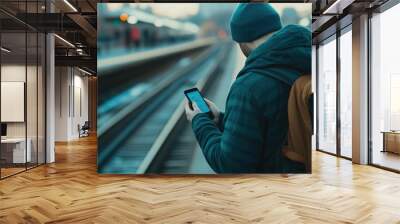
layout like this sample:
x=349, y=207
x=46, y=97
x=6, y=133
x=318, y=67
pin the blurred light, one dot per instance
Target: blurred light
x=124, y=17
x=5, y=50
x=191, y=27
x=158, y=23
x=114, y=6
x=132, y=20
x=301, y=9
x=145, y=17
x=139, y=89
x=143, y=6
x=65, y=41
x=175, y=10
x=184, y=62
x=222, y=34
x=304, y=22
x=174, y=24
x=70, y=5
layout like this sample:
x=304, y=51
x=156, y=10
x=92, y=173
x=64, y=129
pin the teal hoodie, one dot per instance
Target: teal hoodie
x=252, y=131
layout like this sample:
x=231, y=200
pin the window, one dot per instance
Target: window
x=385, y=89
x=327, y=96
x=346, y=93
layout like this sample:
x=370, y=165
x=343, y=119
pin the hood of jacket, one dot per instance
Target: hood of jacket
x=285, y=56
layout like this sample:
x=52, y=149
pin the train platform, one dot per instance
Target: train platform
x=122, y=58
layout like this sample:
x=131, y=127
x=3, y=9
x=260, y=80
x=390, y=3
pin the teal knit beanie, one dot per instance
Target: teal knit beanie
x=251, y=21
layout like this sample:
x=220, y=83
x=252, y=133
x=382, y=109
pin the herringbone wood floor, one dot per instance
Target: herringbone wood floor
x=70, y=191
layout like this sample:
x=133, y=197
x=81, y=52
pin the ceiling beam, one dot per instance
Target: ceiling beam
x=81, y=61
x=89, y=30
x=337, y=7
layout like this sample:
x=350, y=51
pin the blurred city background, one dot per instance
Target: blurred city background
x=148, y=53
x=140, y=26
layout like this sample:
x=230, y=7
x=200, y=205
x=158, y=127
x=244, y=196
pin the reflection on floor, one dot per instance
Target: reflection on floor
x=71, y=191
x=14, y=169
x=10, y=171
x=387, y=159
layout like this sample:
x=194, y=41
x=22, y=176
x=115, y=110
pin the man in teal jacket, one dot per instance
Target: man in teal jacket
x=249, y=136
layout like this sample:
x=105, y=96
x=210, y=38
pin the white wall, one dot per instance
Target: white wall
x=71, y=94
x=13, y=100
x=80, y=105
x=14, y=72
x=33, y=126
x=17, y=72
x=62, y=81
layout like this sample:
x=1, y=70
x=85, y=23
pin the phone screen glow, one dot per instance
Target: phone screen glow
x=196, y=98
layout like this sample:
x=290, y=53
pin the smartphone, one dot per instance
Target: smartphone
x=194, y=96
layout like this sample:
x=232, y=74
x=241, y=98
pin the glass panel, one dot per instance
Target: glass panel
x=327, y=96
x=13, y=87
x=32, y=87
x=385, y=84
x=23, y=85
x=346, y=94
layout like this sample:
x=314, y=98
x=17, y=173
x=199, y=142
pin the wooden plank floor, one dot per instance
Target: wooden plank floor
x=70, y=191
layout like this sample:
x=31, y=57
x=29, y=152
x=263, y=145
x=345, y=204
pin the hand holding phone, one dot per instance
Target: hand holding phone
x=194, y=96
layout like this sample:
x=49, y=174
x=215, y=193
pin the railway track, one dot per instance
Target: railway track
x=120, y=73
x=144, y=80
x=127, y=143
x=180, y=154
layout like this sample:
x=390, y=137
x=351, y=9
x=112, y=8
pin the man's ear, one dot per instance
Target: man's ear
x=245, y=49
